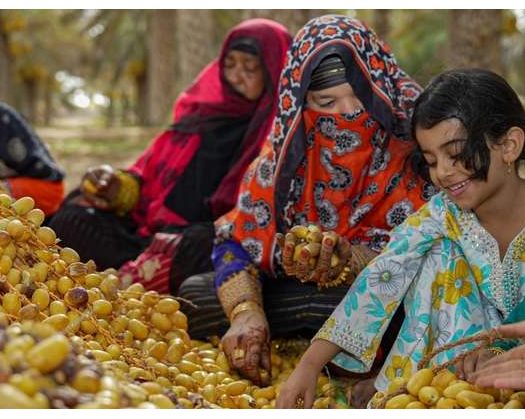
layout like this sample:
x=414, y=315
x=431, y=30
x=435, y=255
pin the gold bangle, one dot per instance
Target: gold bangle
x=239, y=287
x=245, y=306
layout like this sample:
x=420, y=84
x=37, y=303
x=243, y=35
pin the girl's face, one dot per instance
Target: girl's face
x=244, y=72
x=336, y=99
x=441, y=145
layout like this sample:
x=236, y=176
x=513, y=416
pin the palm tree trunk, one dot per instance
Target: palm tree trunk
x=142, y=95
x=31, y=90
x=381, y=23
x=48, y=101
x=195, y=34
x=161, y=65
x=475, y=39
x=6, y=71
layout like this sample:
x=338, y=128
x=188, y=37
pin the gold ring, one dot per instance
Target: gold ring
x=299, y=402
x=238, y=354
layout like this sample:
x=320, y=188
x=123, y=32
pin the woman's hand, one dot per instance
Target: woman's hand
x=466, y=368
x=247, y=346
x=299, y=389
x=506, y=370
x=100, y=186
x=312, y=255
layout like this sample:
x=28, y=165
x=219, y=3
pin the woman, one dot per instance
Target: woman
x=457, y=265
x=26, y=167
x=335, y=158
x=190, y=175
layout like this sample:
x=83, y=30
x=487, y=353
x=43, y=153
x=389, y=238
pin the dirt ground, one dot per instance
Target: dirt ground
x=76, y=147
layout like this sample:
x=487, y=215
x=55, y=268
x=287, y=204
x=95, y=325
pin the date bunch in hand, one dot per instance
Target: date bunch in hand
x=310, y=254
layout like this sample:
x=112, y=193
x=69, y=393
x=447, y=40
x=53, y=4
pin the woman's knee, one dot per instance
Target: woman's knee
x=197, y=285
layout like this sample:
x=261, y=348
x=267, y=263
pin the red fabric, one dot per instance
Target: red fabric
x=152, y=267
x=208, y=97
x=48, y=195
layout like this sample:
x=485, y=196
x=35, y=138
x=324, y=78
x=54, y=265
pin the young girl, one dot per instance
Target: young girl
x=457, y=265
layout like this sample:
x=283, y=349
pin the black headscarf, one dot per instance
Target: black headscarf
x=22, y=152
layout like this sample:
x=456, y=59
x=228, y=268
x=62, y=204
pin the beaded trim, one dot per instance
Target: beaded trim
x=504, y=275
x=343, y=335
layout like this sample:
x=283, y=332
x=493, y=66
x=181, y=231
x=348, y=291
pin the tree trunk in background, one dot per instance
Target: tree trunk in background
x=195, y=35
x=31, y=90
x=475, y=39
x=292, y=19
x=48, y=101
x=161, y=65
x=381, y=23
x=6, y=77
x=142, y=94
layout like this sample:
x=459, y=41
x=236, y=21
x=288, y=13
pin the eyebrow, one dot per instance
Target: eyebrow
x=443, y=146
x=320, y=96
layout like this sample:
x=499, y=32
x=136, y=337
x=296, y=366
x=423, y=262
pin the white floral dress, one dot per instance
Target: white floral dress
x=445, y=269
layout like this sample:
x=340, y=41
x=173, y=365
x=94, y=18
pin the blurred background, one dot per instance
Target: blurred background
x=98, y=84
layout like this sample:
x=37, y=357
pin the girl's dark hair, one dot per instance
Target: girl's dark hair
x=482, y=101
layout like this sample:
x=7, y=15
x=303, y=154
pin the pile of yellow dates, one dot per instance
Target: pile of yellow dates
x=71, y=337
x=426, y=390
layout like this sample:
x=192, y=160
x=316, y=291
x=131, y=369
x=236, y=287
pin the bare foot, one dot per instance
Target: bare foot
x=361, y=392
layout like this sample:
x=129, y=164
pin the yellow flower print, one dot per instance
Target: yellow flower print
x=371, y=352
x=438, y=289
x=326, y=330
x=457, y=284
x=453, y=230
x=416, y=219
x=401, y=366
x=390, y=307
x=228, y=257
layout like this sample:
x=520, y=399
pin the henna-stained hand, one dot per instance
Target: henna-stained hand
x=310, y=255
x=250, y=333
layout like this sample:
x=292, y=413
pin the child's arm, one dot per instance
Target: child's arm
x=302, y=382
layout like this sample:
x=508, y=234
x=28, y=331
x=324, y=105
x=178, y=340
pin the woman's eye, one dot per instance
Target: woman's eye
x=327, y=104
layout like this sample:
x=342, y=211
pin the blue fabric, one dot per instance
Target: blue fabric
x=516, y=315
x=229, y=258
